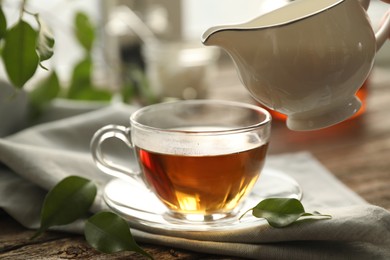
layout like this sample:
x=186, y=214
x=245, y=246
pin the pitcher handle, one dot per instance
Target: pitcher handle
x=383, y=33
x=365, y=3
x=122, y=133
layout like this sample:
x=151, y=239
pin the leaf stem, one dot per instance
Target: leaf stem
x=243, y=214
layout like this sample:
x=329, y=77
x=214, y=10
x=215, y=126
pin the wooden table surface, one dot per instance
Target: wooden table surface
x=357, y=152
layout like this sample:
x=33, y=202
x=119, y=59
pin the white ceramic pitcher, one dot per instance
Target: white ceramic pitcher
x=306, y=59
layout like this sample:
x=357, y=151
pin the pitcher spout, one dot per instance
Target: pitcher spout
x=212, y=37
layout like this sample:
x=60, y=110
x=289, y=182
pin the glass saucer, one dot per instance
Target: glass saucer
x=143, y=210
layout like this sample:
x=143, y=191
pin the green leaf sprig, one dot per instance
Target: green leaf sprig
x=81, y=85
x=282, y=212
x=27, y=43
x=71, y=200
x=109, y=233
x=24, y=48
x=46, y=41
x=19, y=53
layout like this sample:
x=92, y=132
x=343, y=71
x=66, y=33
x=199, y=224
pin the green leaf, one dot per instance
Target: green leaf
x=45, y=42
x=69, y=200
x=46, y=90
x=85, y=31
x=81, y=87
x=281, y=212
x=142, y=82
x=127, y=92
x=19, y=54
x=3, y=24
x=109, y=233
x=43, y=92
x=81, y=78
x=93, y=94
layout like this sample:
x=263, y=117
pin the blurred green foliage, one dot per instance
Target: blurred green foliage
x=29, y=42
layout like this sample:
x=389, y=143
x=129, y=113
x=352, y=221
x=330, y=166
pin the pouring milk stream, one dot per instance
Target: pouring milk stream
x=306, y=59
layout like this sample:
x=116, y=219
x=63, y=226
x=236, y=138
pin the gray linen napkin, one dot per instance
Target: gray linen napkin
x=35, y=159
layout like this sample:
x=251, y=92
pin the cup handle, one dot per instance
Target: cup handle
x=122, y=133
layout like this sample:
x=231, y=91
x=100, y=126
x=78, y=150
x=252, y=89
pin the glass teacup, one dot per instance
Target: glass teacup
x=201, y=158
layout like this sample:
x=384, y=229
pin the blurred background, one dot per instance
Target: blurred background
x=144, y=51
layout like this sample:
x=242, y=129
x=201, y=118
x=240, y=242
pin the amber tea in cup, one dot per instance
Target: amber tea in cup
x=202, y=184
x=199, y=157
